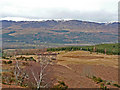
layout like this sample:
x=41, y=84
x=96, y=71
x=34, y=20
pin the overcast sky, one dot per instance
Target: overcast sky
x=88, y=10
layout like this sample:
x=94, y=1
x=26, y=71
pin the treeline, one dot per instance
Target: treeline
x=110, y=49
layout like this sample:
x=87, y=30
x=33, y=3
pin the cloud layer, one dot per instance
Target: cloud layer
x=91, y=10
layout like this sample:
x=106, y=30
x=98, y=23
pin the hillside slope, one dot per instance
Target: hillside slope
x=58, y=32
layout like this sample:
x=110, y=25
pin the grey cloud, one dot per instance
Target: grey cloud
x=61, y=13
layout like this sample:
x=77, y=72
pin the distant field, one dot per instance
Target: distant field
x=85, y=57
x=101, y=48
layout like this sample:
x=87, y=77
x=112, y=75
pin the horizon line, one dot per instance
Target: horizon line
x=40, y=20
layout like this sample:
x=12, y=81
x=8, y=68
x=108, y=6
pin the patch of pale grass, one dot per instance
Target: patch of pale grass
x=84, y=57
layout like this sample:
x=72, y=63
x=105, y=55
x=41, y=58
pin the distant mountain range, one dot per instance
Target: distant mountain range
x=52, y=33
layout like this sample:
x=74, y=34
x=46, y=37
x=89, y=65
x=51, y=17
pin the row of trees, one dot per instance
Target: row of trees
x=103, y=48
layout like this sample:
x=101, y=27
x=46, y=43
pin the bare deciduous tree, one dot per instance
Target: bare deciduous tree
x=40, y=80
x=16, y=71
x=37, y=73
x=43, y=61
x=20, y=75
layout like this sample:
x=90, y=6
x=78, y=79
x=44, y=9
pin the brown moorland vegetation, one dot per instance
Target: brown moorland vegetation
x=77, y=69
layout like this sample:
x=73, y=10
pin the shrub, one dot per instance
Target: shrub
x=25, y=64
x=10, y=56
x=4, y=62
x=108, y=83
x=3, y=57
x=34, y=60
x=116, y=85
x=90, y=52
x=9, y=62
x=99, y=80
x=61, y=82
x=53, y=58
x=103, y=87
x=61, y=85
x=11, y=80
x=94, y=78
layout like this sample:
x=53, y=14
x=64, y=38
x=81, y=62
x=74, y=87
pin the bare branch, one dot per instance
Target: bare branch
x=34, y=76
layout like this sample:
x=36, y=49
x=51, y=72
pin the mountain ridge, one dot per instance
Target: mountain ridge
x=62, y=32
